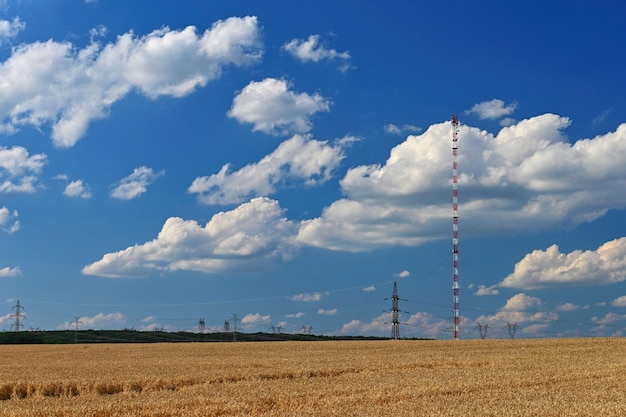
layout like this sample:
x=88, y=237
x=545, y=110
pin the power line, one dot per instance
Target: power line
x=207, y=303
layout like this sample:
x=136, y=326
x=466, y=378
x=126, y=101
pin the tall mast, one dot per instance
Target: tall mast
x=455, y=228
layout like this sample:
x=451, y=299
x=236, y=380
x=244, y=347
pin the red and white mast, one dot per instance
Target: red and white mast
x=455, y=227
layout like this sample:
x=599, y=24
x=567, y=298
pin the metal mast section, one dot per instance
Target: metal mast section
x=455, y=227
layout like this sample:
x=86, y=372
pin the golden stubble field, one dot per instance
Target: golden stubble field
x=547, y=377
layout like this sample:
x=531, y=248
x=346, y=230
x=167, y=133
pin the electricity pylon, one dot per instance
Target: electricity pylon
x=395, y=313
x=18, y=316
x=512, y=328
x=483, y=329
x=201, y=326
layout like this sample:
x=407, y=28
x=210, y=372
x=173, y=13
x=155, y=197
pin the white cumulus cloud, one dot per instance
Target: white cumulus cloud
x=400, y=130
x=521, y=302
x=10, y=272
x=19, y=169
x=492, y=109
x=528, y=177
x=312, y=49
x=609, y=318
x=507, y=121
x=10, y=28
x=98, y=31
x=256, y=318
x=309, y=297
x=7, y=318
x=420, y=324
x=16, y=161
x=254, y=231
x=568, y=307
x=9, y=220
x=60, y=84
x=299, y=158
x=329, y=312
x=550, y=268
x=135, y=184
x=619, y=301
x=274, y=109
x=100, y=320
x=484, y=290
x=527, y=312
x=77, y=189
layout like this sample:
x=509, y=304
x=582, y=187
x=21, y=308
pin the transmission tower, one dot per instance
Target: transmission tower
x=455, y=228
x=77, y=323
x=276, y=329
x=512, y=328
x=226, y=326
x=234, y=327
x=395, y=313
x=306, y=329
x=18, y=315
x=483, y=329
x=201, y=326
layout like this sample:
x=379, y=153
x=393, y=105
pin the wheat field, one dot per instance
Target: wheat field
x=538, y=377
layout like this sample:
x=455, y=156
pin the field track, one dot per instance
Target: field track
x=538, y=377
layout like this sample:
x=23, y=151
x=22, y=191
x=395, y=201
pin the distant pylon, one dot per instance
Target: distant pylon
x=512, y=328
x=201, y=325
x=18, y=316
x=77, y=323
x=234, y=327
x=276, y=329
x=306, y=329
x=483, y=329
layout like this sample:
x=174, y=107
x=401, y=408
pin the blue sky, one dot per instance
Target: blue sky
x=287, y=163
